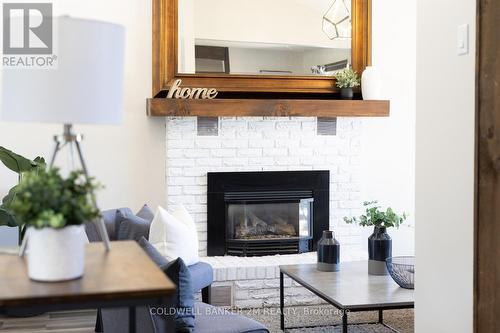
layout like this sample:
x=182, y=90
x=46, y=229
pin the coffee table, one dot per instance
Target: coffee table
x=351, y=289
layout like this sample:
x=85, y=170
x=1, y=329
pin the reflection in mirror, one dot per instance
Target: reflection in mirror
x=260, y=37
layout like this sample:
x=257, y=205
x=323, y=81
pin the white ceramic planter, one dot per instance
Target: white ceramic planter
x=370, y=84
x=56, y=254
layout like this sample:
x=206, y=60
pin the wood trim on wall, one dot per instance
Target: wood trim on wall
x=487, y=208
x=165, y=58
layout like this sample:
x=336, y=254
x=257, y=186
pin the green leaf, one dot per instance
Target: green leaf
x=7, y=219
x=20, y=165
x=347, y=78
x=40, y=161
x=9, y=198
x=16, y=162
x=376, y=217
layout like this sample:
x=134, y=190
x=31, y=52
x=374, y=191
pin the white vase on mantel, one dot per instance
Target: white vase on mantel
x=371, y=86
x=56, y=254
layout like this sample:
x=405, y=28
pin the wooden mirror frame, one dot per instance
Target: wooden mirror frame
x=165, y=59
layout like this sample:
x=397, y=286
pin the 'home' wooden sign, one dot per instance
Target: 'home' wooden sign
x=176, y=91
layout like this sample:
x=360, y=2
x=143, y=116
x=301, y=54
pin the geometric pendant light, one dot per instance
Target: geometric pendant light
x=337, y=20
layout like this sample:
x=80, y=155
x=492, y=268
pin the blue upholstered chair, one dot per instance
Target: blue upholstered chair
x=201, y=273
x=208, y=320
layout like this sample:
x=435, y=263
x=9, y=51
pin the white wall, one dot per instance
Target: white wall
x=128, y=159
x=444, y=168
x=388, y=144
x=186, y=38
x=263, y=21
x=251, y=61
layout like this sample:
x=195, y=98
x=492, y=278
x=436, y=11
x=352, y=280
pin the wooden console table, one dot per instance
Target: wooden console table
x=122, y=277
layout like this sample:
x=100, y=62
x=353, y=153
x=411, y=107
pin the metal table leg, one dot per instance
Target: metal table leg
x=381, y=316
x=98, y=322
x=131, y=319
x=344, y=321
x=282, y=303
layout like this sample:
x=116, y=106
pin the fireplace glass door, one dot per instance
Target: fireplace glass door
x=266, y=212
x=258, y=221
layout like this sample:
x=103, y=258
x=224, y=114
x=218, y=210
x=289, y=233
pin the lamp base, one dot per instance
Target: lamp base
x=72, y=139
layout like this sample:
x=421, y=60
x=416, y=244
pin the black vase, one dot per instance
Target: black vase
x=379, y=249
x=328, y=253
x=346, y=93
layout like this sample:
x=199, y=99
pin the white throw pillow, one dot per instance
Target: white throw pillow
x=183, y=215
x=175, y=235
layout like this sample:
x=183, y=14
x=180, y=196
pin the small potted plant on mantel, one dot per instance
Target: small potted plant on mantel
x=346, y=79
x=379, y=243
x=54, y=209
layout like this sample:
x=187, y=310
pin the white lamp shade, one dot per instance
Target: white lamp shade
x=86, y=86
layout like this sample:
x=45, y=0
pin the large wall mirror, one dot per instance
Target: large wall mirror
x=249, y=46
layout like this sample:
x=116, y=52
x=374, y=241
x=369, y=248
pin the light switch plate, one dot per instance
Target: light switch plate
x=463, y=39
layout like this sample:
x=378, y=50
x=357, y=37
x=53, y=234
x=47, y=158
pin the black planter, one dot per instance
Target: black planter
x=346, y=93
x=328, y=253
x=379, y=249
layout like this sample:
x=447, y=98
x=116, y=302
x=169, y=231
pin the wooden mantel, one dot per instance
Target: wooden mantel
x=164, y=107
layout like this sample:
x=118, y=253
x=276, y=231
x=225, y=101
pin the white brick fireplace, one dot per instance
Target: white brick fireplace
x=264, y=144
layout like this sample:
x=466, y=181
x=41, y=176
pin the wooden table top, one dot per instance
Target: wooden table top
x=124, y=273
x=351, y=287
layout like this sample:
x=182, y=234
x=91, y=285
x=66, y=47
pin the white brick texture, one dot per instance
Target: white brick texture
x=265, y=144
x=254, y=281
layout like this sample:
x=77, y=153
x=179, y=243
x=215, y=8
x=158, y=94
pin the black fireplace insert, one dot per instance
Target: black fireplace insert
x=265, y=213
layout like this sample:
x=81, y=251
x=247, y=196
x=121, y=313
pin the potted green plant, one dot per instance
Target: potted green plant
x=346, y=79
x=379, y=243
x=54, y=210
